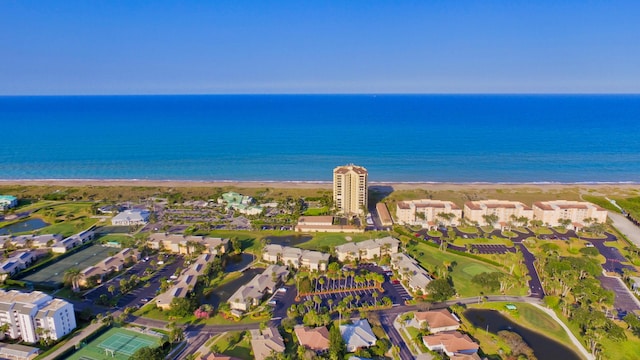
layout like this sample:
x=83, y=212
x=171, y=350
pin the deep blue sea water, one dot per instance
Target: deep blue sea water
x=403, y=138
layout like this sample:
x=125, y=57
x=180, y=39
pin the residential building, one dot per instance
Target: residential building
x=111, y=264
x=383, y=214
x=25, y=313
x=451, y=343
x=240, y=203
x=35, y=241
x=187, y=244
x=437, y=321
x=473, y=356
x=295, y=257
x=16, y=263
x=368, y=249
x=409, y=270
x=73, y=241
x=350, y=189
x=252, y=293
x=428, y=213
x=185, y=282
x=7, y=202
x=323, y=223
x=18, y=352
x=131, y=217
x=505, y=211
x=316, y=339
x=554, y=213
x=266, y=343
x=358, y=335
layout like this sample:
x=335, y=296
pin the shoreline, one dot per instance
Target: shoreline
x=303, y=184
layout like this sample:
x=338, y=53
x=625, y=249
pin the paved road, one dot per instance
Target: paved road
x=626, y=227
x=75, y=340
x=535, y=285
x=386, y=320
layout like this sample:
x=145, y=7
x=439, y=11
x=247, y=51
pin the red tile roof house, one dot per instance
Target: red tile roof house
x=316, y=339
x=451, y=343
x=437, y=320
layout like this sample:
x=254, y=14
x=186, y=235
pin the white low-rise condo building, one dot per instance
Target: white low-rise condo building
x=8, y=202
x=506, y=212
x=25, y=313
x=428, y=213
x=187, y=244
x=552, y=213
x=367, y=250
x=185, y=282
x=408, y=269
x=294, y=257
x=131, y=217
x=252, y=293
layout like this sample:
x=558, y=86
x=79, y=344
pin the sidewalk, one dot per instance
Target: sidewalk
x=75, y=340
x=587, y=355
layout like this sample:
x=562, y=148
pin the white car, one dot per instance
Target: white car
x=282, y=290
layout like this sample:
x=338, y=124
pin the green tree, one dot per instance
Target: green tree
x=440, y=289
x=337, y=348
x=147, y=353
x=73, y=276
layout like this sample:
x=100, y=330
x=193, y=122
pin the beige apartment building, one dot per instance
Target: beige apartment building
x=551, y=213
x=428, y=213
x=505, y=210
x=350, y=189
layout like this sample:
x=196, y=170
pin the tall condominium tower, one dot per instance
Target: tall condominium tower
x=350, y=189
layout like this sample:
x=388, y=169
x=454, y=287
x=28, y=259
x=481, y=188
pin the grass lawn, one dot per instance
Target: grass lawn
x=496, y=241
x=149, y=311
x=434, y=233
x=241, y=350
x=463, y=270
x=316, y=211
x=321, y=240
x=413, y=333
x=625, y=350
x=69, y=227
x=468, y=229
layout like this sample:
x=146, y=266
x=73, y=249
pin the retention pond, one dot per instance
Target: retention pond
x=23, y=226
x=543, y=347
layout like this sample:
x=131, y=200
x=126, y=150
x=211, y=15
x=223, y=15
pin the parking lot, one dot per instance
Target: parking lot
x=490, y=248
x=361, y=292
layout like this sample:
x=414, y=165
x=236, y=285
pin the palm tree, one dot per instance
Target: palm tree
x=74, y=276
x=375, y=297
x=111, y=289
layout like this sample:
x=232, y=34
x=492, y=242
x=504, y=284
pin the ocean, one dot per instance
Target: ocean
x=398, y=138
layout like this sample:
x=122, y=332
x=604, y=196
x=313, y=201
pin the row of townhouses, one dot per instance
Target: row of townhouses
x=431, y=213
x=368, y=249
x=185, y=282
x=252, y=293
x=187, y=244
x=25, y=313
x=111, y=264
x=295, y=257
x=408, y=269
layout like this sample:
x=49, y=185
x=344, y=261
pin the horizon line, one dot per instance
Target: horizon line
x=338, y=94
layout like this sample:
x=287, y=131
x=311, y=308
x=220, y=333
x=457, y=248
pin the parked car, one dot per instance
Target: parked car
x=282, y=290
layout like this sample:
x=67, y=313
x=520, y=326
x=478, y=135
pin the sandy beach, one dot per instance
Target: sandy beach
x=597, y=187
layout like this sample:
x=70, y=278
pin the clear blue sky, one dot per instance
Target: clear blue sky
x=345, y=46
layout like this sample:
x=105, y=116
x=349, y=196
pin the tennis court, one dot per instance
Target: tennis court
x=115, y=344
x=54, y=273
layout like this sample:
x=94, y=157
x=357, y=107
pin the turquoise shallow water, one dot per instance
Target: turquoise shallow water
x=442, y=138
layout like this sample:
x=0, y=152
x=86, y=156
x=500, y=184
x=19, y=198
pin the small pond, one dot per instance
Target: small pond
x=238, y=262
x=543, y=347
x=23, y=226
x=288, y=240
x=224, y=292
